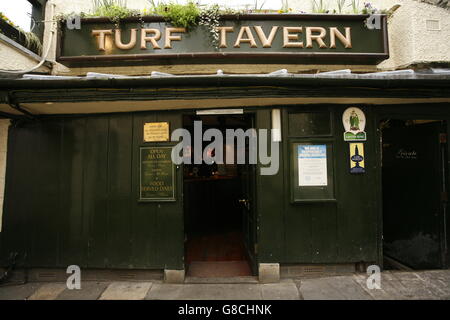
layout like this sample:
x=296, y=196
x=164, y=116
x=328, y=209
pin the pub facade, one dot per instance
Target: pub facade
x=285, y=144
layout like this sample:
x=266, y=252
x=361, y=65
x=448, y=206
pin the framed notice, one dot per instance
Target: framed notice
x=157, y=174
x=312, y=172
x=312, y=165
x=156, y=132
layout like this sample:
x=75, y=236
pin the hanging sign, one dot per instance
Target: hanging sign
x=312, y=165
x=157, y=174
x=354, y=121
x=156, y=131
x=357, y=158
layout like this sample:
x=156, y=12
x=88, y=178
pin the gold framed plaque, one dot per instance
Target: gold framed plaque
x=156, y=132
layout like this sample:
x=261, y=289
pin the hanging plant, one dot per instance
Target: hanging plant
x=179, y=15
x=209, y=18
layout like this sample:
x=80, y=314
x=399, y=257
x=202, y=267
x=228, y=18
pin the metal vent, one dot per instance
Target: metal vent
x=313, y=269
x=127, y=276
x=46, y=276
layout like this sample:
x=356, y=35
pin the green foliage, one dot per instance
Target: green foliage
x=112, y=9
x=209, y=17
x=179, y=15
x=32, y=42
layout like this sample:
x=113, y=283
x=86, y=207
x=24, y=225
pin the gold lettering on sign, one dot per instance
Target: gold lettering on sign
x=250, y=39
x=120, y=44
x=170, y=37
x=346, y=41
x=153, y=40
x=156, y=131
x=223, y=35
x=310, y=37
x=101, y=34
x=266, y=42
x=292, y=37
x=288, y=36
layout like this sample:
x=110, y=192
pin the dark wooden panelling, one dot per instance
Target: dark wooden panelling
x=74, y=221
x=19, y=193
x=72, y=198
x=95, y=189
x=119, y=190
x=357, y=212
x=144, y=223
x=270, y=211
x=45, y=206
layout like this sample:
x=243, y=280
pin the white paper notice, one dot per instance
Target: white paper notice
x=312, y=165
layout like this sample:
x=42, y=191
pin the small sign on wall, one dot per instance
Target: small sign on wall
x=357, y=158
x=156, y=132
x=354, y=121
x=312, y=165
x=157, y=174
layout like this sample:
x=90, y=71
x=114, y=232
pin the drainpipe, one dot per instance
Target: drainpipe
x=17, y=107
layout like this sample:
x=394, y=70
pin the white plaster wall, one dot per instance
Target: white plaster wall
x=12, y=58
x=4, y=125
x=409, y=40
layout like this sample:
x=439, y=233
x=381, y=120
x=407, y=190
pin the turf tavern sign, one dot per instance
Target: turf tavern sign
x=252, y=38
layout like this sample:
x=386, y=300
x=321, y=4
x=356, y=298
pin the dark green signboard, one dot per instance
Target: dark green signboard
x=157, y=174
x=270, y=38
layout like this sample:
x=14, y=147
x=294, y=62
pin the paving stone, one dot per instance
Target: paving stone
x=388, y=290
x=48, y=291
x=349, y=288
x=18, y=292
x=269, y=272
x=220, y=292
x=90, y=290
x=438, y=281
x=165, y=291
x=286, y=290
x=414, y=287
x=319, y=289
x=126, y=291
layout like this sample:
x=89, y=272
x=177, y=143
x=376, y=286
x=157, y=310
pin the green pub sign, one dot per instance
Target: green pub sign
x=157, y=174
x=250, y=38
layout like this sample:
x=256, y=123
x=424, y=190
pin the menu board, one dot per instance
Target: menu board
x=157, y=174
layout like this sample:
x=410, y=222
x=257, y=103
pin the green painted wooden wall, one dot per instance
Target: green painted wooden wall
x=71, y=198
x=344, y=231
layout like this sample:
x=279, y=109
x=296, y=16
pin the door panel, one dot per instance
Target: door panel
x=248, y=205
x=413, y=187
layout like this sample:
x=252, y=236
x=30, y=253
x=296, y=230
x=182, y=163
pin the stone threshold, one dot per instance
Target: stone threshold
x=216, y=280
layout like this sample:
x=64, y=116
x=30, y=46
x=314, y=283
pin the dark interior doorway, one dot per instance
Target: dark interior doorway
x=216, y=225
x=414, y=169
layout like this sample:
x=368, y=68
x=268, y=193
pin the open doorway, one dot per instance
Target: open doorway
x=216, y=202
x=414, y=190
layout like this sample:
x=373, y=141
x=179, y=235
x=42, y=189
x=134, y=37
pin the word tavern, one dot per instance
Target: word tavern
x=292, y=37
